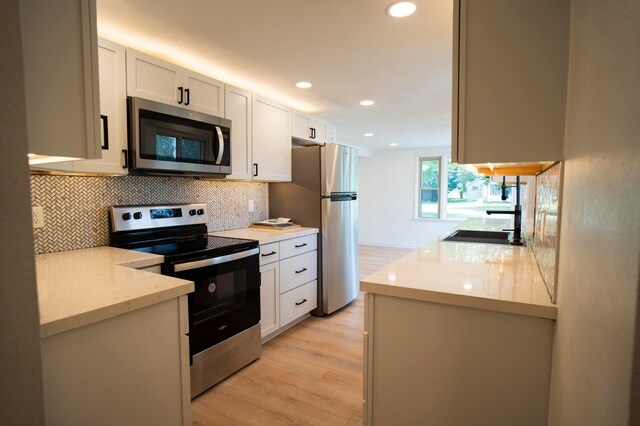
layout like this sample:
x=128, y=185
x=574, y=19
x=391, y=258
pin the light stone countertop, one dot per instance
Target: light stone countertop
x=475, y=275
x=81, y=287
x=266, y=236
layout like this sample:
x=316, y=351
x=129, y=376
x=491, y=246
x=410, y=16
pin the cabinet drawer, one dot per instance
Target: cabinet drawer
x=269, y=253
x=298, y=270
x=298, y=302
x=298, y=245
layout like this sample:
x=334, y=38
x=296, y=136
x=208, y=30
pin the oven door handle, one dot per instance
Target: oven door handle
x=179, y=267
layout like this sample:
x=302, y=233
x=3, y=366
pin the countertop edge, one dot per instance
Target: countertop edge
x=82, y=319
x=454, y=299
x=273, y=236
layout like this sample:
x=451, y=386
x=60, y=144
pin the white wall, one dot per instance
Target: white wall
x=593, y=354
x=21, y=401
x=388, y=199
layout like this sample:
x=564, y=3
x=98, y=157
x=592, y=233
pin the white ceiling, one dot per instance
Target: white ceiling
x=349, y=49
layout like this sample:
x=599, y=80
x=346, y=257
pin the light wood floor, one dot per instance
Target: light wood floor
x=309, y=375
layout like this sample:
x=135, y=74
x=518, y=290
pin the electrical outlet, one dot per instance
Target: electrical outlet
x=251, y=207
x=38, y=217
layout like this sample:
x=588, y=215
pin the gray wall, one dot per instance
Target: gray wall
x=21, y=401
x=593, y=354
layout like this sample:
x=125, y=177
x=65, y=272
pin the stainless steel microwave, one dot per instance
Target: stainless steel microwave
x=167, y=140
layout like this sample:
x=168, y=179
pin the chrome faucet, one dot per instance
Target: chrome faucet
x=516, y=212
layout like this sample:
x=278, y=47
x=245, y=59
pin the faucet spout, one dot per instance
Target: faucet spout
x=517, y=213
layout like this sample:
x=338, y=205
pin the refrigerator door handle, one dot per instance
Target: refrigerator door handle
x=340, y=197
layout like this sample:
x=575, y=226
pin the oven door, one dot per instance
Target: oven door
x=226, y=299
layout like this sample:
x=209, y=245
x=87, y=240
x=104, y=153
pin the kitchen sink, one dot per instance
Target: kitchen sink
x=470, y=236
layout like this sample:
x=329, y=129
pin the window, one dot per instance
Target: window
x=429, y=187
x=468, y=194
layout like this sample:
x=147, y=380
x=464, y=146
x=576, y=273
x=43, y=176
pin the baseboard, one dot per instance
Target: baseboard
x=279, y=331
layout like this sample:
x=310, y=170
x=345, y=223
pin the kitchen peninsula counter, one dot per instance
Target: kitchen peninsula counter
x=458, y=333
x=495, y=277
x=81, y=287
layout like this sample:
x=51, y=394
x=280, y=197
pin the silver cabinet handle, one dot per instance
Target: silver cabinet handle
x=215, y=260
x=221, y=139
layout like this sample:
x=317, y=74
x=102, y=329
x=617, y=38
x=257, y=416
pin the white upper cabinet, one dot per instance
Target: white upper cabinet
x=152, y=78
x=113, y=117
x=113, y=113
x=203, y=94
x=271, y=132
x=306, y=128
x=510, y=64
x=161, y=81
x=61, y=87
x=238, y=110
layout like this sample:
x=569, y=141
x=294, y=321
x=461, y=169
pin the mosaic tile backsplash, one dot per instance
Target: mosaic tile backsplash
x=76, y=208
x=547, y=224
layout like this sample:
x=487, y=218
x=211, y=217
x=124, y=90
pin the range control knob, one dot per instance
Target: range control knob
x=137, y=215
x=126, y=216
x=192, y=212
x=200, y=212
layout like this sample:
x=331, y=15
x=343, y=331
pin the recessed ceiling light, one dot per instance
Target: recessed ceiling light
x=368, y=134
x=401, y=9
x=303, y=84
x=367, y=103
x=393, y=144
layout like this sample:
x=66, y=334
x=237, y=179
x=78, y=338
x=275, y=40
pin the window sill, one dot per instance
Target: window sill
x=437, y=219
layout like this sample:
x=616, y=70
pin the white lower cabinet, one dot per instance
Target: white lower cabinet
x=131, y=369
x=269, y=298
x=433, y=363
x=288, y=291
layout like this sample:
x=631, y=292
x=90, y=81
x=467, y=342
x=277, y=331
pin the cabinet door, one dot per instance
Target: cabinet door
x=319, y=131
x=269, y=298
x=238, y=110
x=60, y=54
x=510, y=66
x=113, y=112
x=152, y=78
x=203, y=94
x=301, y=126
x=271, y=131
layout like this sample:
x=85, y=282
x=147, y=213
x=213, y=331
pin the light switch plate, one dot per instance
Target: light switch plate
x=38, y=217
x=251, y=206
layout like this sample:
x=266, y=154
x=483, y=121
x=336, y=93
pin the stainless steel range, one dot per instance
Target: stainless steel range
x=224, y=309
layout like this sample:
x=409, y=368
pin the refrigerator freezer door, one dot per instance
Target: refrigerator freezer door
x=339, y=169
x=339, y=253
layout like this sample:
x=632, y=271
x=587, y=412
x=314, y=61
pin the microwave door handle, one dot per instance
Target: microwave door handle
x=221, y=143
x=187, y=266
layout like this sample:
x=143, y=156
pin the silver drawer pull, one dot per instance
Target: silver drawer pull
x=300, y=245
x=268, y=254
x=301, y=271
x=300, y=303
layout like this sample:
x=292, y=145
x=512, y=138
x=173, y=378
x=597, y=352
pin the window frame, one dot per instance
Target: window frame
x=443, y=180
x=418, y=209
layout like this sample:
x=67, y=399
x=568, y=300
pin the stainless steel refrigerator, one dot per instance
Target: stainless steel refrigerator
x=324, y=194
